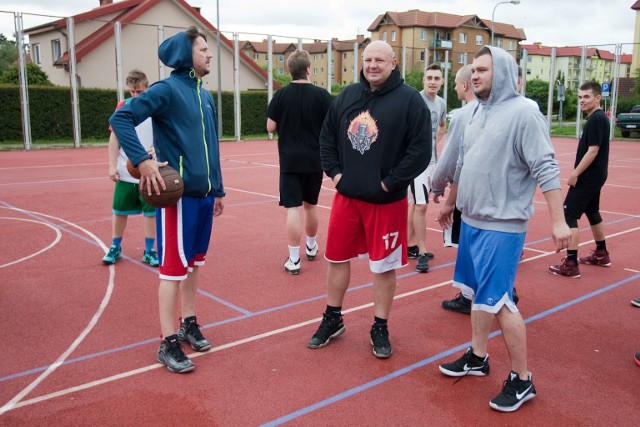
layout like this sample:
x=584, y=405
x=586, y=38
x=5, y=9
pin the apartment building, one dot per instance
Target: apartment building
x=599, y=64
x=427, y=36
x=343, y=57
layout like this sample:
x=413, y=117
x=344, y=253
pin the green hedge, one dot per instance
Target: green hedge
x=50, y=111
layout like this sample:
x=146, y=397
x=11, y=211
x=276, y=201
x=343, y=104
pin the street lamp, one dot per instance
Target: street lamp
x=494, y=12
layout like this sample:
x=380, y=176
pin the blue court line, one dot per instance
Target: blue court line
x=135, y=261
x=348, y=393
x=245, y=313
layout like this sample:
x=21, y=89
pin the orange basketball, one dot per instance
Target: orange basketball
x=133, y=171
x=173, y=192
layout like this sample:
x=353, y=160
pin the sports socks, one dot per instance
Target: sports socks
x=311, y=242
x=148, y=243
x=465, y=293
x=294, y=253
x=572, y=255
x=601, y=246
x=333, y=311
x=116, y=241
x=380, y=322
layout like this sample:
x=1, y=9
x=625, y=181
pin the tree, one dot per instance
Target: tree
x=35, y=75
x=8, y=53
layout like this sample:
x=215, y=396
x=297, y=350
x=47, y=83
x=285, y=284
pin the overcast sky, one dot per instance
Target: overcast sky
x=552, y=22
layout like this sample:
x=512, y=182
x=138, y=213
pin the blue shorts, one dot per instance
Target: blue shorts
x=184, y=231
x=486, y=266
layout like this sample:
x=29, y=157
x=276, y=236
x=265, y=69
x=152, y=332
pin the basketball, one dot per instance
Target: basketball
x=133, y=171
x=170, y=196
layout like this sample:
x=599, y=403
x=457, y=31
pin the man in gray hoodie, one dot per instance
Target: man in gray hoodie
x=506, y=152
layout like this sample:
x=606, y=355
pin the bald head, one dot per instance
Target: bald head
x=379, y=61
x=463, y=84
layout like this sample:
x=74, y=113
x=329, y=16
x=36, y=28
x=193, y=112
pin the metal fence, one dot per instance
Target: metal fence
x=122, y=53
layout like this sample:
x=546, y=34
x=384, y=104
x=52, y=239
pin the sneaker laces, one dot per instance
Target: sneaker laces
x=194, y=330
x=175, y=351
x=327, y=325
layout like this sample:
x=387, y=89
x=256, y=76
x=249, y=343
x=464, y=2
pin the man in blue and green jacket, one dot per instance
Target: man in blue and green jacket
x=185, y=138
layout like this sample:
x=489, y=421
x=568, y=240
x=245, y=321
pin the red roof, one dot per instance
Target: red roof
x=263, y=46
x=626, y=58
x=536, y=49
x=418, y=18
x=129, y=11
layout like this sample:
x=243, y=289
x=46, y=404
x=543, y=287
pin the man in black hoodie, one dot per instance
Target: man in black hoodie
x=375, y=139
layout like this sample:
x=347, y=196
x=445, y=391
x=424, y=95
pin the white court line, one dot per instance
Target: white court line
x=271, y=165
x=266, y=195
x=632, y=270
x=94, y=320
x=52, y=244
x=212, y=350
x=58, y=181
x=248, y=154
x=53, y=166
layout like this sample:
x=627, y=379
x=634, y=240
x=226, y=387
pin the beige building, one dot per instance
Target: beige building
x=426, y=36
x=342, y=58
x=599, y=64
x=635, y=63
x=144, y=25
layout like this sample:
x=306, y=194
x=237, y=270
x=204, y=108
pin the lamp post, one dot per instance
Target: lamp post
x=494, y=12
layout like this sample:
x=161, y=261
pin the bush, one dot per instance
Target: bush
x=35, y=75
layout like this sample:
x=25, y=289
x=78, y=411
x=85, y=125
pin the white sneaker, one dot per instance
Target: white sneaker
x=312, y=253
x=292, y=267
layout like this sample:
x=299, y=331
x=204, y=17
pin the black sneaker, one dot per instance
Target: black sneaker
x=413, y=252
x=430, y=256
x=190, y=331
x=514, y=393
x=331, y=327
x=422, y=266
x=459, y=304
x=466, y=365
x=170, y=354
x=380, y=341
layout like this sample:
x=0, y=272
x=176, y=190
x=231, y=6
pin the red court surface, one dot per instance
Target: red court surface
x=80, y=337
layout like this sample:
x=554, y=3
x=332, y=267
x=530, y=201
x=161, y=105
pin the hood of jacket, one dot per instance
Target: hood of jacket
x=504, y=84
x=176, y=52
x=395, y=79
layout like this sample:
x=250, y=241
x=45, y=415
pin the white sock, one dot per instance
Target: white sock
x=466, y=294
x=294, y=253
x=311, y=242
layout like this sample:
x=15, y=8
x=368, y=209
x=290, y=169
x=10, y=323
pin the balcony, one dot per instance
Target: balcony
x=444, y=44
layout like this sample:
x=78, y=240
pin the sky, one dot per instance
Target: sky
x=551, y=22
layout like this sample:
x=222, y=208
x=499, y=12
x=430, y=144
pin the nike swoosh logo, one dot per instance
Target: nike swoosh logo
x=521, y=395
x=471, y=368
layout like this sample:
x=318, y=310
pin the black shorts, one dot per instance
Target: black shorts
x=296, y=188
x=581, y=200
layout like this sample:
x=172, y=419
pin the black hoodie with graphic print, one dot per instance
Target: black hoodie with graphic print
x=373, y=137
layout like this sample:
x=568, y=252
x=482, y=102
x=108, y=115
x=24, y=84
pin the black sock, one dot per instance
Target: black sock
x=572, y=255
x=601, y=246
x=333, y=311
x=476, y=357
x=378, y=321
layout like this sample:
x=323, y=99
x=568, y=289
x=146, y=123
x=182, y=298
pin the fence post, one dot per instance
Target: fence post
x=117, y=29
x=75, y=108
x=236, y=86
x=22, y=74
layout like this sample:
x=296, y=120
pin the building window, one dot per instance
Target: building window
x=462, y=58
x=462, y=38
x=56, y=51
x=512, y=45
x=256, y=56
x=315, y=71
x=529, y=58
x=499, y=43
x=281, y=71
x=422, y=56
x=393, y=36
x=315, y=57
x=280, y=58
x=479, y=40
x=35, y=48
x=423, y=35
x=384, y=36
x=344, y=55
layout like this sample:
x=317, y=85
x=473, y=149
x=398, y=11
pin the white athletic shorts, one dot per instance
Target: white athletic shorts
x=421, y=186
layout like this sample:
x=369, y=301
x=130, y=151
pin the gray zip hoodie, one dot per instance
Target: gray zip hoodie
x=506, y=151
